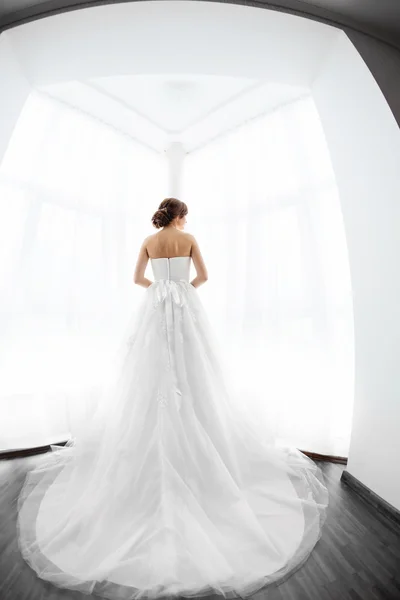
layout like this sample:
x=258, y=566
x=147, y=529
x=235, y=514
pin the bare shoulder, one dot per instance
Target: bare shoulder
x=191, y=241
x=189, y=237
x=147, y=242
x=149, y=239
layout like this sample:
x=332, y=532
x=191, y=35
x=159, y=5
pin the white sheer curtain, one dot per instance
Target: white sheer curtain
x=76, y=199
x=266, y=212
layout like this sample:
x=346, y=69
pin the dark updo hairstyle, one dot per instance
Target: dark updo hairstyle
x=169, y=209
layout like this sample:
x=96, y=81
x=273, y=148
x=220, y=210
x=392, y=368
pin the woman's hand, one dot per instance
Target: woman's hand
x=146, y=283
x=199, y=265
x=198, y=281
x=140, y=268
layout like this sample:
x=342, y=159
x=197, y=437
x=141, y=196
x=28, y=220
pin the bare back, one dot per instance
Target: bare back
x=168, y=243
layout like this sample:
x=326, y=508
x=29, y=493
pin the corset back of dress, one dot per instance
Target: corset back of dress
x=173, y=269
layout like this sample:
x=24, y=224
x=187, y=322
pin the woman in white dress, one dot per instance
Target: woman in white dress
x=169, y=491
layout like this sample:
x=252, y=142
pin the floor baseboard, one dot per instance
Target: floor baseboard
x=389, y=511
x=325, y=457
x=23, y=452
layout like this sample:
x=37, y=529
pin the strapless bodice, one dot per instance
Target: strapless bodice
x=173, y=269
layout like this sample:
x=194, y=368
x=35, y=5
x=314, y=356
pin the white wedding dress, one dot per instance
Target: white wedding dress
x=174, y=493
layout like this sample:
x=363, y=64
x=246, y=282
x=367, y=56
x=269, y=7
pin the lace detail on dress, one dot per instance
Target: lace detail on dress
x=162, y=399
x=163, y=324
x=167, y=360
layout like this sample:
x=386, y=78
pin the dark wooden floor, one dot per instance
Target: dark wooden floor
x=357, y=558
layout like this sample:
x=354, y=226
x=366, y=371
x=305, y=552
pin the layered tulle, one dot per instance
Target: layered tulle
x=170, y=490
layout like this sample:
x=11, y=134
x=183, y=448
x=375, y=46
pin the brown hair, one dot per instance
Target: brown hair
x=169, y=209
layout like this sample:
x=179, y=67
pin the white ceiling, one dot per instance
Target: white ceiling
x=175, y=102
x=158, y=110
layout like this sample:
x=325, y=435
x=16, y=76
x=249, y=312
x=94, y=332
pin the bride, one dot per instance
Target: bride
x=169, y=491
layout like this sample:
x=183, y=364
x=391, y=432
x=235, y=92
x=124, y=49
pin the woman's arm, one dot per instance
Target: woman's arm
x=141, y=265
x=199, y=265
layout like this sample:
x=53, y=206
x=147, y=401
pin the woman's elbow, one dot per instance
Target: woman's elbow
x=203, y=278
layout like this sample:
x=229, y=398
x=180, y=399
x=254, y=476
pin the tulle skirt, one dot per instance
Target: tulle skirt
x=169, y=489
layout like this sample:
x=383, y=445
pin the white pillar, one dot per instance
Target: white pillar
x=15, y=90
x=175, y=156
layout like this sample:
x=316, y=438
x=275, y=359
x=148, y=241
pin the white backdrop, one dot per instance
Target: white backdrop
x=266, y=209
x=76, y=201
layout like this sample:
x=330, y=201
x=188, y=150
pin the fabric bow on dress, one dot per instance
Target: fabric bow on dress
x=176, y=290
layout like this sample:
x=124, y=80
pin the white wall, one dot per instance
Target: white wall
x=364, y=142
x=14, y=89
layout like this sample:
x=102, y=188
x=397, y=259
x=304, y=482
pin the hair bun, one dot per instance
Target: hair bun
x=169, y=209
x=161, y=218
